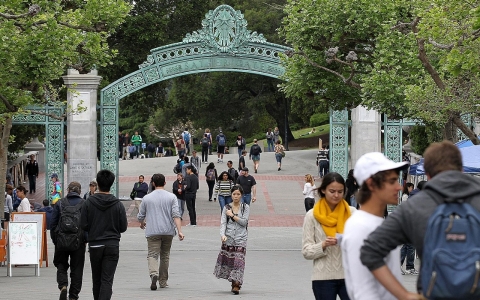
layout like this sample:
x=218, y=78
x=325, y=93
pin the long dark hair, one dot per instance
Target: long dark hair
x=211, y=166
x=405, y=188
x=237, y=188
x=328, y=179
x=220, y=177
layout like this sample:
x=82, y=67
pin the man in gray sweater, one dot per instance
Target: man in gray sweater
x=160, y=208
x=408, y=223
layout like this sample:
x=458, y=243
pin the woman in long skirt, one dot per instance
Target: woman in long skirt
x=233, y=231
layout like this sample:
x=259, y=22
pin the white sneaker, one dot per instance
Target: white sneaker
x=412, y=272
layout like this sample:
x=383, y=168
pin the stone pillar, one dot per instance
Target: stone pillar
x=35, y=145
x=366, y=134
x=81, y=127
x=477, y=126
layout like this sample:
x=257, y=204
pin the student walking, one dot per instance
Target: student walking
x=211, y=177
x=205, y=142
x=223, y=189
x=255, y=151
x=320, y=242
x=309, y=192
x=160, y=208
x=279, y=154
x=69, y=244
x=104, y=219
x=234, y=235
x=410, y=224
x=179, y=191
x=378, y=178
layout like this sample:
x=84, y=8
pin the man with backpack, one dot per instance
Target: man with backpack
x=231, y=171
x=205, y=143
x=186, y=137
x=221, y=143
x=255, y=151
x=434, y=222
x=69, y=241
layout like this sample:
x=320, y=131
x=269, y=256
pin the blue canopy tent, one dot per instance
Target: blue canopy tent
x=470, y=157
x=465, y=143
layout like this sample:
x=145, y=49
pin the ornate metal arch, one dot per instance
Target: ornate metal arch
x=223, y=44
x=54, y=149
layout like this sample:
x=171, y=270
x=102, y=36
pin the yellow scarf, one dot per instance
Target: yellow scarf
x=332, y=221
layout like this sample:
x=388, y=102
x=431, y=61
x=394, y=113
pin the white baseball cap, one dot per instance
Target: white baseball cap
x=371, y=163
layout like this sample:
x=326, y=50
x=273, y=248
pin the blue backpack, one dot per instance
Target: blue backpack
x=221, y=140
x=451, y=253
x=186, y=137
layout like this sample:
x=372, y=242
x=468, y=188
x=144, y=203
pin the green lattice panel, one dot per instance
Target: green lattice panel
x=339, y=142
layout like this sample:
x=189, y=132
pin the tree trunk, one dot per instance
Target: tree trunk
x=449, y=133
x=279, y=111
x=467, y=131
x=6, y=127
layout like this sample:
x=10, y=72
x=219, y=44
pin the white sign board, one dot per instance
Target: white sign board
x=39, y=218
x=23, y=245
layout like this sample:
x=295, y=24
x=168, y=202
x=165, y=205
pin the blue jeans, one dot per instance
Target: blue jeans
x=329, y=289
x=409, y=252
x=240, y=152
x=270, y=144
x=223, y=200
x=246, y=198
x=181, y=207
x=323, y=168
x=137, y=152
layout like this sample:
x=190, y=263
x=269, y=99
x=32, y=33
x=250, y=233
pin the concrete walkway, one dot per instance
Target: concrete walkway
x=275, y=267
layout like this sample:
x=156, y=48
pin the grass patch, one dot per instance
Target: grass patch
x=319, y=130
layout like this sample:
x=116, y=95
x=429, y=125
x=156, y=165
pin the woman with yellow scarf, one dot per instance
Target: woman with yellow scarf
x=321, y=227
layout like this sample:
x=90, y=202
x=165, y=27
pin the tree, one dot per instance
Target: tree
x=39, y=42
x=407, y=59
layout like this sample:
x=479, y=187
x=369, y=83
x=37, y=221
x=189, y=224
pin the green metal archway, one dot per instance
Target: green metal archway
x=223, y=44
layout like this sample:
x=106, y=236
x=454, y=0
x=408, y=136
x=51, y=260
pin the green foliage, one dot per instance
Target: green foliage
x=422, y=136
x=391, y=73
x=319, y=119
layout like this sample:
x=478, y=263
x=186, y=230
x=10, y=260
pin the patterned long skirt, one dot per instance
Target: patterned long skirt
x=231, y=263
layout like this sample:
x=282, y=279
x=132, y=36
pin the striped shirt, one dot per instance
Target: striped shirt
x=223, y=188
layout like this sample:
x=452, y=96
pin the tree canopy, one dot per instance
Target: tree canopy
x=407, y=59
x=39, y=42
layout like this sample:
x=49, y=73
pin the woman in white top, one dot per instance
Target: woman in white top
x=407, y=189
x=321, y=227
x=25, y=204
x=309, y=192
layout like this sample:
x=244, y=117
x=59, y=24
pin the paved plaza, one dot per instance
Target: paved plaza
x=275, y=267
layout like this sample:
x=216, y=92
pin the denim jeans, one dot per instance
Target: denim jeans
x=270, y=145
x=223, y=200
x=409, y=252
x=246, y=198
x=329, y=289
x=103, y=262
x=181, y=207
x=159, y=249
x=323, y=168
x=77, y=261
x=240, y=152
x=137, y=152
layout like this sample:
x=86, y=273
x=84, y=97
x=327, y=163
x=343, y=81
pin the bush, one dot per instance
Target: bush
x=422, y=136
x=319, y=119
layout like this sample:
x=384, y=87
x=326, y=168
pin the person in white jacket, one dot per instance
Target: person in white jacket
x=25, y=204
x=309, y=192
x=377, y=177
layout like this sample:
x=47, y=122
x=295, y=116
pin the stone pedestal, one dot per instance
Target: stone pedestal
x=366, y=134
x=35, y=145
x=82, y=127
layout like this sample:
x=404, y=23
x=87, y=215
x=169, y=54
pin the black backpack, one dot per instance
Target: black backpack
x=255, y=149
x=205, y=142
x=177, y=169
x=69, y=235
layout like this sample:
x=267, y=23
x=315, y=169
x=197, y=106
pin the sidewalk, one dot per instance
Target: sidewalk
x=275, y=267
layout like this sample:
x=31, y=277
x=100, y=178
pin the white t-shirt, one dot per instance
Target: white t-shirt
x=24, y=206
x=360, y=282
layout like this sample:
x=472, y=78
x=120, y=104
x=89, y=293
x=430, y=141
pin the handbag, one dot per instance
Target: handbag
x=133, y=193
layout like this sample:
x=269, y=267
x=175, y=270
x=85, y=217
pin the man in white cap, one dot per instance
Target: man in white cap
x=377, y=177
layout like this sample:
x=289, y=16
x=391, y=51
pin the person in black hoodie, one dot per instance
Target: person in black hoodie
x=104, y=219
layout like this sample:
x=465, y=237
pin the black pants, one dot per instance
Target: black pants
x=211, y=185
x=309, y=203
x=104, y=262
x=6, y=216
x=77, y=261
x=190, y=199
x=204, y=154
x=408, y=251
x=32, y=181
